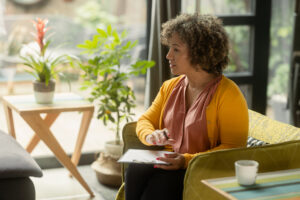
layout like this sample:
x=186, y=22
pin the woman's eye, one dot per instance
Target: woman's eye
x=176, y=50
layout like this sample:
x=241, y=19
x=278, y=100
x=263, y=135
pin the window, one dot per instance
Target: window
x=71, y=22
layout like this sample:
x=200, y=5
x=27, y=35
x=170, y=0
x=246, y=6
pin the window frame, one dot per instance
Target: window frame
x=257, y=77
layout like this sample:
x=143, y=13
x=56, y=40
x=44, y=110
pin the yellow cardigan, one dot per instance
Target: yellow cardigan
x=227, y=116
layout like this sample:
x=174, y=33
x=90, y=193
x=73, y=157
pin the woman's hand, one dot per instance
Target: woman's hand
x=176, y=161
x=160, y=138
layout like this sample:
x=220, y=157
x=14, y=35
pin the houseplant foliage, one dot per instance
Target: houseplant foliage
x=41, y=63
x=107, y=78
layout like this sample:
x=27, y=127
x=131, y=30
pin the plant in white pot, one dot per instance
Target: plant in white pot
x=106, y=77
x=43, y=65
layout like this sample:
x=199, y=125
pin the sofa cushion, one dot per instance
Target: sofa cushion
x=15, y=160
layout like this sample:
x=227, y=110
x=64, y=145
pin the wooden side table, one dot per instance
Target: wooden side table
x=30, y=111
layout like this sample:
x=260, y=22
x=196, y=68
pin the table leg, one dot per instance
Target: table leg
x=85, y=122
x=44, y=133
x=49, y=119
x=9, y=120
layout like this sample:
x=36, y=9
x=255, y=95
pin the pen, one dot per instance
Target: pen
x=165, y=134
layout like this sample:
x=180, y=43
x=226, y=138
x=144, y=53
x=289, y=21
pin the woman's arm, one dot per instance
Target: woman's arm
x=149, y=121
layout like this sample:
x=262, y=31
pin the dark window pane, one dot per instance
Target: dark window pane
x=239, y=49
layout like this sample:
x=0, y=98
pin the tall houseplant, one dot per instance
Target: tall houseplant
x=42, y=65
x=107, y=78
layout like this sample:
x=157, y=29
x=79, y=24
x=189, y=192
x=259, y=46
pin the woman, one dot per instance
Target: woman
x=199, y=111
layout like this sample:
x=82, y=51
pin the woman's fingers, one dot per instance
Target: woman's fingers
x=171, y=141
x=151, y=139
x=157, y=135
x=175, y=160
x=160, y=137
x=170, y=155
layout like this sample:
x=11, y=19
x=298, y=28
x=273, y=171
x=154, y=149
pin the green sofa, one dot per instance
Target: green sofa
x=281, y=153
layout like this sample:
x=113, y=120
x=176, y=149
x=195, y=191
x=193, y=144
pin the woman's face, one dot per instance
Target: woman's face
x=178, y=56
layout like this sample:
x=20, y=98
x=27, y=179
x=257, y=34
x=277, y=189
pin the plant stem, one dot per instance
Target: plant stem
x=118, y=114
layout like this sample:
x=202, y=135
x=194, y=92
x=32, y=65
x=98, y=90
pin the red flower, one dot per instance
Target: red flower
x=40, y=26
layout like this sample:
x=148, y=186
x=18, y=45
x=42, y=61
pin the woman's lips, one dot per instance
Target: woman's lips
x=172, y=65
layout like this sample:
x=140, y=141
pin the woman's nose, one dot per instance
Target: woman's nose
x=169, y=56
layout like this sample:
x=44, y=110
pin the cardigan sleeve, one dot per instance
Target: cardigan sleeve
x=149, y=121
x=152, y=118
x=231, y=122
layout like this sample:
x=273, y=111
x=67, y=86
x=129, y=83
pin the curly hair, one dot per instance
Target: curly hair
x=205, y=37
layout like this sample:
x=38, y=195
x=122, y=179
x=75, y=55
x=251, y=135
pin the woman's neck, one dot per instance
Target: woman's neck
x=199, y=79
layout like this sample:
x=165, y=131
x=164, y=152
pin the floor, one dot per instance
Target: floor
x=56, y=184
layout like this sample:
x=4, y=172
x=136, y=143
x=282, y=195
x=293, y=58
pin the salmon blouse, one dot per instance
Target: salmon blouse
x=188, y=126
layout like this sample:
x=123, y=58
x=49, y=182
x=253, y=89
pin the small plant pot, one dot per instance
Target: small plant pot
x=44, y=93
x=114, y=149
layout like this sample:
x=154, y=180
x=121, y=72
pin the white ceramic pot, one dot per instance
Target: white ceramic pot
x=44, y=93
x=114, y=149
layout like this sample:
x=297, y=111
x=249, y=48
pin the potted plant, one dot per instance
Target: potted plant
x=106, y=78
x=43, y=65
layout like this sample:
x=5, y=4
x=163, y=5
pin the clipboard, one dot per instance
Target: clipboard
x=143, y=156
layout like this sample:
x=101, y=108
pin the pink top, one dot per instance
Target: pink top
x=188, y=127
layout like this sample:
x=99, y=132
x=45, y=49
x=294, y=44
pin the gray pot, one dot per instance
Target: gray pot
x=44, y=93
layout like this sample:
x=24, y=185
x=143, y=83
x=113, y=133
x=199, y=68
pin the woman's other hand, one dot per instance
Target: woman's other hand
x=176, y=161
x=160, y=138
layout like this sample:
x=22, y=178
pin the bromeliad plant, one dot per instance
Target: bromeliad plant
x=106, y=76
x=43, y=65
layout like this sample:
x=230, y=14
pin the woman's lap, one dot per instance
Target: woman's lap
x=145, y=182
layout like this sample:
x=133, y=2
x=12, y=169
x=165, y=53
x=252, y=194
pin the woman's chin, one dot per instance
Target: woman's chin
x=174, y=71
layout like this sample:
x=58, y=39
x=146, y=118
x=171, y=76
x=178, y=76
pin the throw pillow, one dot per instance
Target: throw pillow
x=253, y=142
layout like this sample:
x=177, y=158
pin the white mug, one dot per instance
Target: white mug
x=246, y=171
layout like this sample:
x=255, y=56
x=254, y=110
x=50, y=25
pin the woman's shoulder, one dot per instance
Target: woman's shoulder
x=171, y=83
x=227, y=84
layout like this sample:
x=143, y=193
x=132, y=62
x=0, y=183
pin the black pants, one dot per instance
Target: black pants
x=143, y=182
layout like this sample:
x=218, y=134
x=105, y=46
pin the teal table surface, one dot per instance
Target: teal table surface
x=272, y=185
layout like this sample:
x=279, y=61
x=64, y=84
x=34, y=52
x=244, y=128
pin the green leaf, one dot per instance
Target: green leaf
x=116, y=37
x=109, y=29
x=102, y=33
x=123, y=34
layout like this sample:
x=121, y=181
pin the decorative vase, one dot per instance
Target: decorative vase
x=44, y=93
x=106, y=167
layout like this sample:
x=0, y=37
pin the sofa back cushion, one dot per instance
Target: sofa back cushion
x=271, y=131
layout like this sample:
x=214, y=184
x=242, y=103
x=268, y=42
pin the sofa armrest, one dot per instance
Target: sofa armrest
x=15, y=161
x=221, y=164
x=131, y=141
